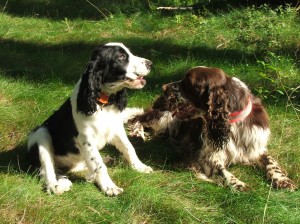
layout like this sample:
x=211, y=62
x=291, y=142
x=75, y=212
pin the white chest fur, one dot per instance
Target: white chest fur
x=101, y=126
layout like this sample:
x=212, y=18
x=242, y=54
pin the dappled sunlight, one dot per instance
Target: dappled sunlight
x=44, y=49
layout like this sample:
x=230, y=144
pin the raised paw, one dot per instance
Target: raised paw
x=142, y=168
x=60, y=187
x=284, y=183
x=137, y=130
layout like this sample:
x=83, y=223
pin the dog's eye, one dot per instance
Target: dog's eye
x=122, y=57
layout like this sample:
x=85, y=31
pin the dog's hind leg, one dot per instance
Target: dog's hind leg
x=40, y=143
x=274, y=173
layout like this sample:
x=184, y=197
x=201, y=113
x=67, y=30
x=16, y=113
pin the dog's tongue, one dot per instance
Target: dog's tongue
x=142, y=80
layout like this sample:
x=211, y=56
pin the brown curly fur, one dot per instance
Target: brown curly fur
x=208, y=97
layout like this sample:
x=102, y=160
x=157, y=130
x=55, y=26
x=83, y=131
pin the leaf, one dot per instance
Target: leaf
x=280, y=91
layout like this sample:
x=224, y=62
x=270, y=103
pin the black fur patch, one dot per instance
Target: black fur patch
x=105, y=66
x=62, y=129
x=33, y=155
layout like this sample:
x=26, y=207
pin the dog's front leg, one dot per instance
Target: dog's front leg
x=274, y=173
x=231, y=180
x=96, y=166
x=125, y=147
x=215, y=163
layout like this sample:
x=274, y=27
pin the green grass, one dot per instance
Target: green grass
x=44, y=47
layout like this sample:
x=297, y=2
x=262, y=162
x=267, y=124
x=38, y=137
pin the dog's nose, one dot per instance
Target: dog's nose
x=148, y=64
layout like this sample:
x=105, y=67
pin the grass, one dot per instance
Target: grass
x=44, y=47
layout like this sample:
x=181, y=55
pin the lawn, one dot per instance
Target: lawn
x=44, y=48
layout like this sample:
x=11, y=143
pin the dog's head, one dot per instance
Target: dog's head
x=207, y=89
x=111, y=69
x=119, y=68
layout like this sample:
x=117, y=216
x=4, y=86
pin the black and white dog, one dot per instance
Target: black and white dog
x=91, y=118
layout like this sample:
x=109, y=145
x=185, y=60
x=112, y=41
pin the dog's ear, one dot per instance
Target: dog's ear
x=216, y=117
x=90, y=86
x=120, y=99
x=206, y=89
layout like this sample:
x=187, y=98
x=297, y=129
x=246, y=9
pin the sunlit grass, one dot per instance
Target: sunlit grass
x=43, y=56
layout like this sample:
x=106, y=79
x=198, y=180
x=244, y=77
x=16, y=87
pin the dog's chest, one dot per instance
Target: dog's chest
x=107, y=119
x=104, y=124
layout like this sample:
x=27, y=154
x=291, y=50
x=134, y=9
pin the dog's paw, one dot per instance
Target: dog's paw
x=63, y=185
x=137, y=130
x=240, y=186
x=237, y=185
x=60, y=187
x=110, y=189
x=113, y=191
x=284, y=183
x=142, y=168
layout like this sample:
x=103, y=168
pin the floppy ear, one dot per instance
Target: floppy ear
x=217, y=125
x=120, y=99
x=90, y=87
x=207, y=88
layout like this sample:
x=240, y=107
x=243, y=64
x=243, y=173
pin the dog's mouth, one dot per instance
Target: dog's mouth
x=182, y=109
x=135, y=81
x=179, y=107
x=185, y=111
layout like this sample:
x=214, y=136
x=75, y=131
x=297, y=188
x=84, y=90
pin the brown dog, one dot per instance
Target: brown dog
x=219, y=115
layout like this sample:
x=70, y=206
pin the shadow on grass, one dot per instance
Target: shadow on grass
x=162, y=153
x=61, y=9
x=100, y=9
x=68, y=61
x=158, y=153
x=15, y=159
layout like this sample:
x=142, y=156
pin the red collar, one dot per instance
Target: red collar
x=241, y=115
x=103, y=99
